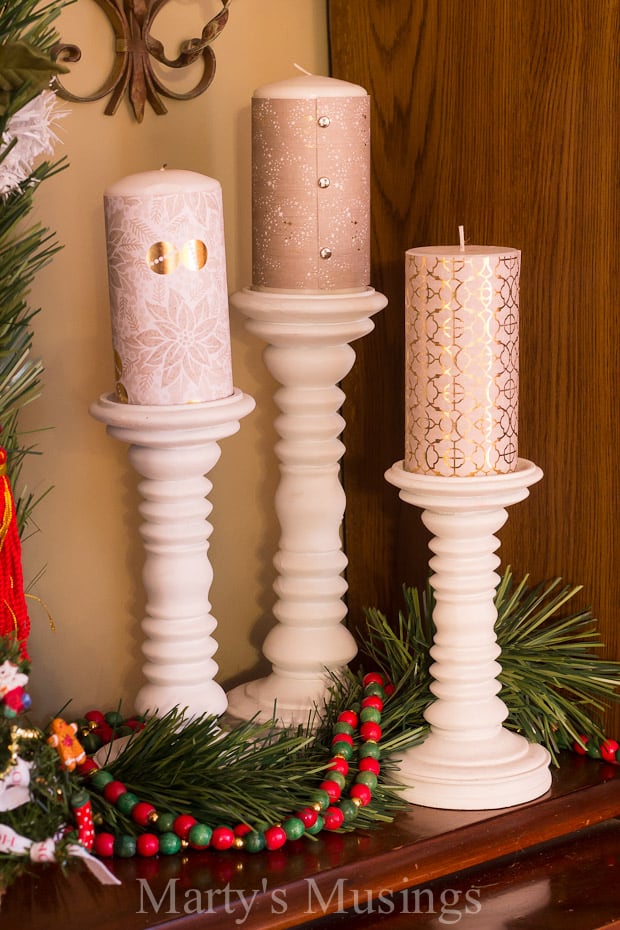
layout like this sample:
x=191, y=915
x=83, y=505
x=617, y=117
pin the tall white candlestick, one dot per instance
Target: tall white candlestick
x=168, y=289
x=311, y=185
x=462, y=360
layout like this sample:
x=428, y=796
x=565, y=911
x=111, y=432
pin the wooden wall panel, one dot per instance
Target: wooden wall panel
x=503, y=117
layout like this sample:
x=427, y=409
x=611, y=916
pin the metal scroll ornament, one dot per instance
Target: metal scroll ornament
x=136, y=52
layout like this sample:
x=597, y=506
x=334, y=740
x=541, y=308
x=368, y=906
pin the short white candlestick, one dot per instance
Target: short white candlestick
x=173, y=448
x=308, y=354
x=469, y=761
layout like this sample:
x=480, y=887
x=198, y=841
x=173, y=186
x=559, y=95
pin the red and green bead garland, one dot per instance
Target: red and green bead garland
x=327, y=809
x=607, y=751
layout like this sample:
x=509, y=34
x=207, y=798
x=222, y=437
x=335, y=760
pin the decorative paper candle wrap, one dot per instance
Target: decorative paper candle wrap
x=168, y=289
x=311, y=185
x=462, y=360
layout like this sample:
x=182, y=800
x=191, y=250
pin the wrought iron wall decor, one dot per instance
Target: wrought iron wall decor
x=136, y=51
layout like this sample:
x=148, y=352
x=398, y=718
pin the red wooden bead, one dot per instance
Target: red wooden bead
x=104, y=845
x=133, y=724
x=141, y=813
x=389, y=689
x=113, y=791
x=373, y=700
x=275, y=837
x=147, y=844
x=183, y=824
x=369, y=765
x=223, y=838
x=87, y=767
x=342, y=738
x=362, y=792
x=104, y=731
x=338, y=764
x=579, y=749
x=370, y=731
x=308, y=816
x=372, y=678
x=332, y=788
x=242, y=828
x=333, y=818
x=609, y=749
x=95, y=716
x=348, y=716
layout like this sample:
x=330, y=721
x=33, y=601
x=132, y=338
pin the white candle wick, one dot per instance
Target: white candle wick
x=462, y=238
x=303, y=70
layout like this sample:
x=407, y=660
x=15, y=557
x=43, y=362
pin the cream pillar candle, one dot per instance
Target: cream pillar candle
x=311, y=185
x=461, y=354
x=168, y=289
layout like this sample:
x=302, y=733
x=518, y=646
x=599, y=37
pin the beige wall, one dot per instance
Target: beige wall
x=88, y=543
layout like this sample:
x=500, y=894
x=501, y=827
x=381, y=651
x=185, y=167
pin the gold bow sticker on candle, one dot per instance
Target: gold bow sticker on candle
x=165, y=257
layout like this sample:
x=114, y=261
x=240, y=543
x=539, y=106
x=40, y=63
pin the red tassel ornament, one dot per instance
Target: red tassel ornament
x=14, y=619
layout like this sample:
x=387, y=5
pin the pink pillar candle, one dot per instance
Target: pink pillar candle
x=462, y=360
x=168, y=289
x=311, y=185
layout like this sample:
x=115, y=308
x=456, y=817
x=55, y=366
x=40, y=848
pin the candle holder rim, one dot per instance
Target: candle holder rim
x=525, y=474
x=114, y=412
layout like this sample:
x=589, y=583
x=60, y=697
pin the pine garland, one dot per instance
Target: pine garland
x=250, y=774
x=26, y=69
x=554, y=684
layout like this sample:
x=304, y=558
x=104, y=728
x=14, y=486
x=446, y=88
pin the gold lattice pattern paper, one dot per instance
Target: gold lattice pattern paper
x=462, y=361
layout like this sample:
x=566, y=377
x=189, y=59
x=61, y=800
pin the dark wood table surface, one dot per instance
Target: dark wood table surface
x=548, y=864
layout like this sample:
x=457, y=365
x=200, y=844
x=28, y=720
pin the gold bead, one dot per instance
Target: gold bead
x=357, y=802
x=238, y=842
x=153, y=817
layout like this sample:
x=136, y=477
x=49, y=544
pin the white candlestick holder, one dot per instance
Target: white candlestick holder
x=173, y=448
x=469, y=761
x=308, y=353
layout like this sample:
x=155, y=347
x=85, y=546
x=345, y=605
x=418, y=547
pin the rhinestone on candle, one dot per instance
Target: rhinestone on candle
x=324, y=121
x=325, y=253
x=323, y=182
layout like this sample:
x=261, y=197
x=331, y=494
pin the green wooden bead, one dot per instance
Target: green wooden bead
x=320, y=797
x=349, y=809
x=125, y=846
x=127, y=802
x=91, y=743
x=370, y=749
x=317, y=827
x=367, y=778
x=165, y=823
x=101, y=778
x=169, y=844
x=370, y=714
x=343, y=727
x=254, y=841
x=341, y=748
x=338, y=777
x=294, y=828
x=375, y=690
x=114, y=718
x=200, y=835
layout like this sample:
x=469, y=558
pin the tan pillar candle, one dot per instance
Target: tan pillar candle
x=168, y=288
x=462, y=360
x=311, y=185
